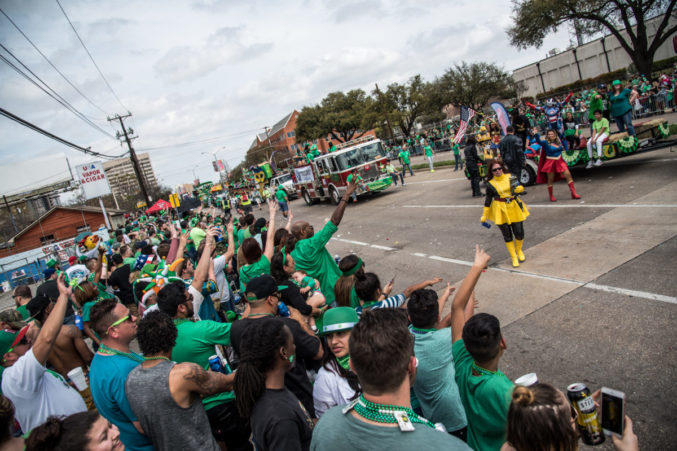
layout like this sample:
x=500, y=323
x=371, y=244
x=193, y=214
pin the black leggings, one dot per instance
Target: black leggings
x=508, y=229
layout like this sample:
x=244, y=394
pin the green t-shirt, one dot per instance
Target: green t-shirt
x=350, y=177
x=195, y=343
x=311, y=256
x=435, y=386
x=620, y=104
x=240, y=235
x=197, y=235
x=486, y=399
x=428, y=151
x=337, y=431
x=404, y=155
x=354, y=298
x=595, y=104
x=456, y=149
x=23, y=310
x=600, y=125
x=281, y=195
x=248, y=272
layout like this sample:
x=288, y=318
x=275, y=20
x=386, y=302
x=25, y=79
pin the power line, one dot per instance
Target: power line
x=35, y=128
x=90, y=56
x=55, y=95
x=200, y=141
x=50, y=63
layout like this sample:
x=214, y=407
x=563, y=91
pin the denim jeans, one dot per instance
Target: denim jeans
x=625, y=122
x=458, y=161
x=404, y=168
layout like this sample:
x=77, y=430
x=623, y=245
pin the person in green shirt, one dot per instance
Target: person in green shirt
x=457, y=156
x=427, y=148
x=389, y=169
x=600, y=132
x=404, y=156
x=477, y=346
x=196, y=341
x=258, y=261
x=22, y=295
x=357, y=178
x=282, y=200
x=621, y=101
x=309, y=252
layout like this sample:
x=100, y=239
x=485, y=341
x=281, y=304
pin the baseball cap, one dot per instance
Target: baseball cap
x=48, y=272
x=51, y=263
x=260, y=288
x=616, y=82
x=82, y=258
x=338, y=319
x=13, y=318
x=9, y=339
x=72, y=259
x=37, y=305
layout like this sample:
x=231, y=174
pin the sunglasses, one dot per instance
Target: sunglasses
x=118, y=322
x=497, y=170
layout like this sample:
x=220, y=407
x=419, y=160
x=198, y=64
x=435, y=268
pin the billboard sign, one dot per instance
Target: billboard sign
x=93, y=180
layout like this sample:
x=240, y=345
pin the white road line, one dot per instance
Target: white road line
x=433, y=181
x=557, y=206
x=579, y=283
x=633, y=293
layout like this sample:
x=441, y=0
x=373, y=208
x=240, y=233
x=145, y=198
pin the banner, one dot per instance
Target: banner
x=304, y=174
x=502, y=116
x=93, y=180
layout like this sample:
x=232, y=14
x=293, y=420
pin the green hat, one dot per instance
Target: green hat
x=338, y=319
x=9, y=339
x=82, y=258
x=51, y=263
x=615, y=82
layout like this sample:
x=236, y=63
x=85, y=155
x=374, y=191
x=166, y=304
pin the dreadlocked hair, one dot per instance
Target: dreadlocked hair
x=259, y=349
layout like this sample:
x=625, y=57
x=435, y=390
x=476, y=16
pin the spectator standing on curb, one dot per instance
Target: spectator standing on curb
x=404, y=155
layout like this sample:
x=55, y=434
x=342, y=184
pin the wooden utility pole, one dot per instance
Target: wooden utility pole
x=132, y=154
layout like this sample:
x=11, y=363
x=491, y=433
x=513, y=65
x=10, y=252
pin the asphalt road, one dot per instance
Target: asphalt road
x=596, y=300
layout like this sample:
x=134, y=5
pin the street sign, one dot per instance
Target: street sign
x=174, y=200
x=93, y=180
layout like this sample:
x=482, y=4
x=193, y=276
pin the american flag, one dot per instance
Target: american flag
x=466, y=115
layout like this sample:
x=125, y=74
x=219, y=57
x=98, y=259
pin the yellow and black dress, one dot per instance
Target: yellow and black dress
x=504, y=208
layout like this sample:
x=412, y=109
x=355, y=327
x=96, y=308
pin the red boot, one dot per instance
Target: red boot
x=574, y=194
x=552, y=198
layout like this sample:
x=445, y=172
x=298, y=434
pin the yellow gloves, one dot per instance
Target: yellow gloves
x=485, y=211
x=519, y=189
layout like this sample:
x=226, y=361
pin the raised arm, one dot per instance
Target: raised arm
x=50, y=329
x=465, y=292
x=174, y=244
x=341, y=207
x=99, y=265
x=427, y=283
x=196, y=379
x=231, y=241
x=290, y=217
x=270, y=236
x=202, y=270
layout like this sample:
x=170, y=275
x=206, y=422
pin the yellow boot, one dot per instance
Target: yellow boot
x=518, y=249
x=511, y=249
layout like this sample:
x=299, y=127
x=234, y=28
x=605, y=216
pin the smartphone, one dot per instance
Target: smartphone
x=392, y=281
x=613, y=411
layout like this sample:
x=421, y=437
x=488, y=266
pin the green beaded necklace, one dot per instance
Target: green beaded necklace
x=418, y=331
x=383, y=413
x=103, y=349
x=483, y=371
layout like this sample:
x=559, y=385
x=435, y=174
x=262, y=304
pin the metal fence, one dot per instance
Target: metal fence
x=649, y=105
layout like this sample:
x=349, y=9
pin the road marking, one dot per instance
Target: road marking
x=578, y=283
x=557, y=206
x=434, y=181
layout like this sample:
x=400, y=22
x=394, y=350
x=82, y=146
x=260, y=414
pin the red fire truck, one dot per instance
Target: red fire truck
x=325, y=177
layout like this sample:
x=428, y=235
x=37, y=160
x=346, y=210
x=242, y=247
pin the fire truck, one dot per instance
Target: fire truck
x=326, y=177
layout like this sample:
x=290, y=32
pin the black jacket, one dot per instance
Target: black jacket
x=511, y=151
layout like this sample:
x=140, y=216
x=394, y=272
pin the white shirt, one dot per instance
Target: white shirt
x=223, y=294
x=330, y=390
x=38, y=393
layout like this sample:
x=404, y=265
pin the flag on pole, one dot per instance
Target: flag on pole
x=502, y=116
x=466, y=115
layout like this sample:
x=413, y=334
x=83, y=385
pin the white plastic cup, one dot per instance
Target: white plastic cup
x=527, y=380
x=78, y=377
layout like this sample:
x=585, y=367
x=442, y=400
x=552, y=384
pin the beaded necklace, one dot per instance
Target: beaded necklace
x=159, y=357
x=103, y=349
x=483, y=371
x=383, y=413
x=418, y=331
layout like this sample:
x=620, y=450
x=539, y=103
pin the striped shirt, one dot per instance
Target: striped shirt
x=391, y=302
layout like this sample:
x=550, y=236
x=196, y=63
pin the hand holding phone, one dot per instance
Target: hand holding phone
x=613, y=411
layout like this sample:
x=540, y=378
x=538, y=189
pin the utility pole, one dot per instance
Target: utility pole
x=385, y=112
x=266, y=128
x=132, y=153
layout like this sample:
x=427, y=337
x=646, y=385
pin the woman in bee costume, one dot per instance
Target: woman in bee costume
x=504, y=208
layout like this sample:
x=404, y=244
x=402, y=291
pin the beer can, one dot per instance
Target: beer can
x=589, y=425
x=215, y=364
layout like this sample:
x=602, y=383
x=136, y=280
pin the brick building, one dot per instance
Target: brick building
x=60, y=223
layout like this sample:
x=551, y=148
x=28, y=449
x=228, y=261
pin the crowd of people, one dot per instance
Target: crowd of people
x=216, y=332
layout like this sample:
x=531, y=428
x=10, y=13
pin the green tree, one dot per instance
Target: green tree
x=534, y=19
x=408, y=102
x=342, y=115
x=473, y=84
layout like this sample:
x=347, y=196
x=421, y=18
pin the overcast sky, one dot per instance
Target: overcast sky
x=213, y=73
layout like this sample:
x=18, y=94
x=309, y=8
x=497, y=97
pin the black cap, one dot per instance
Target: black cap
x=260, y=288
x=37, y=305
